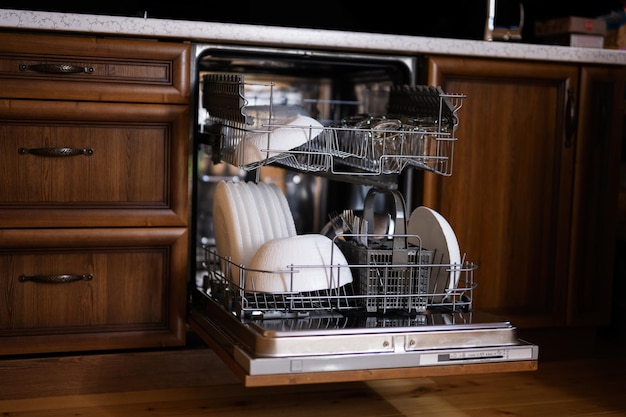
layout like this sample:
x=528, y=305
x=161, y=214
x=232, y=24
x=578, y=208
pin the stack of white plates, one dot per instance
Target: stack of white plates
x=254, y=227
x=228, y=226
x=273, y=206
x=245, y=215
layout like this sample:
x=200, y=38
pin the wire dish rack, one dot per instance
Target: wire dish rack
x=385, y=293
x=419, y=131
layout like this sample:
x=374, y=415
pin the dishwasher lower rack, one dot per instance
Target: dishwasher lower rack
x=376, y=290
x=418, y=132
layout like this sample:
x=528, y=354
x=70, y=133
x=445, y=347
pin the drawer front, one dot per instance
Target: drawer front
x=65, y=164
x=80, y=283
x=89, y=68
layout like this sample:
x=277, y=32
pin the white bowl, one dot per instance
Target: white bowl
x=286, y=135
x=301, y=263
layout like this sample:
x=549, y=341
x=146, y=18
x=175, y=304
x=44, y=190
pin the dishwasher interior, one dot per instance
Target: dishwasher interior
x=343, y=138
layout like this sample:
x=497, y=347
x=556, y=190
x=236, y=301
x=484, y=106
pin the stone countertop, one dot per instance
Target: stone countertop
x=228, y=33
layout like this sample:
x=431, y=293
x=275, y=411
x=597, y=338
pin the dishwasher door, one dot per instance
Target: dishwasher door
x=328, y=349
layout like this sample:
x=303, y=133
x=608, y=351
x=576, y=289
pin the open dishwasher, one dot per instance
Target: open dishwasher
x=392, y=304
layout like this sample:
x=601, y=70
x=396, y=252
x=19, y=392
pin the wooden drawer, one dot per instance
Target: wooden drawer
x=90, y=68
x=134, y=293
x=133, y=171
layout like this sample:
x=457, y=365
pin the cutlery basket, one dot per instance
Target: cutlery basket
x=389, y=274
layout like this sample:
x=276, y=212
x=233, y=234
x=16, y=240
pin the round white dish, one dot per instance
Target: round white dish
x=318, y=264
x=278, y=220
x=255, y=234
x=264, y=114
x=287, y=134
x=290, y=224
x=228, y=226
x=242, y=213
x=436, y=235
x=266, y=213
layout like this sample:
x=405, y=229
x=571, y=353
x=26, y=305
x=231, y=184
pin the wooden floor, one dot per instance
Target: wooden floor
x=193, y=382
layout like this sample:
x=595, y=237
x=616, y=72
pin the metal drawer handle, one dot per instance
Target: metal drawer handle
x=56, y=68
x=55, y=279
x=55, y=151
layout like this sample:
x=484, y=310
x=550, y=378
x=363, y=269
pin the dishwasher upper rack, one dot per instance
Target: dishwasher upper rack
x=218, y=283
x=418, y=132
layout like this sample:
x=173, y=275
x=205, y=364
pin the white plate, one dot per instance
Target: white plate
x=437, y=235
x=278, y=221
x=228, y=225
x=290, y=224
x=255, y=228
x=267, y=216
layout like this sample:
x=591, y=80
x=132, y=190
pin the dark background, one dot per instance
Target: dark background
x=448, y=19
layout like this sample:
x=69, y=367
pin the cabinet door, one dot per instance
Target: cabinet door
x=510, y=194
x=130, y=170
x=595, y=200
x=85, y=289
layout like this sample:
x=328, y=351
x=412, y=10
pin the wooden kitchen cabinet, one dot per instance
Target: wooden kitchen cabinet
x=90, y=68
x=128, y=173
x=92, y=289
x=94, y=139
x=533, y=194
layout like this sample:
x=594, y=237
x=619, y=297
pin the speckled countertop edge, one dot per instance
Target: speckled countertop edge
x=297, y=37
